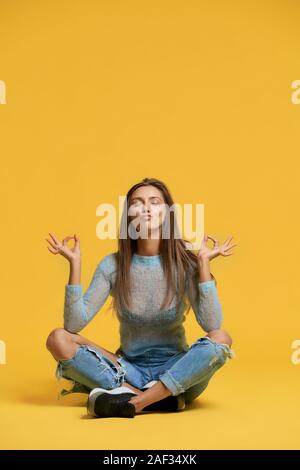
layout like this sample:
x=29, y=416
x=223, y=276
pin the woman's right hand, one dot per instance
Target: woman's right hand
x=57, y=247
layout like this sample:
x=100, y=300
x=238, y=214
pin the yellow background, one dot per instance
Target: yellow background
x=101, y=94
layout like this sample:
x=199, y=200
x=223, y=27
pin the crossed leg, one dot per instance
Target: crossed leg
x=159, y=390
x=63, y=345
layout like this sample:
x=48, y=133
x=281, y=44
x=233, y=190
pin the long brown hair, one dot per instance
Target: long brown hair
x=180, y=264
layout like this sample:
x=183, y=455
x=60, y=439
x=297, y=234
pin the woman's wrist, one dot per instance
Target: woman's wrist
x=75, y=271
x=204, y=269
x=203, y=258
x=74, y=262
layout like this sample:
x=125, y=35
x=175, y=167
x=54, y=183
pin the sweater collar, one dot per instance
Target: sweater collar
x=140, y=259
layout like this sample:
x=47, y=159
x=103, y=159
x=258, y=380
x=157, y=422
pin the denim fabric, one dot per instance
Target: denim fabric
x=187, y=371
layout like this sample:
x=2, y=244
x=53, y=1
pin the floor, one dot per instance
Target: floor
x=243, y=407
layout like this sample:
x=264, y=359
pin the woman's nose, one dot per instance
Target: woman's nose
x=146, y=208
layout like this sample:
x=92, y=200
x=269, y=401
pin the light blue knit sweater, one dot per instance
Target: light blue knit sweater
x=144, y=328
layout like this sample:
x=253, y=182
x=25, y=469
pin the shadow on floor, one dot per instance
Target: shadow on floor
x=47, y=393
x=194, y=405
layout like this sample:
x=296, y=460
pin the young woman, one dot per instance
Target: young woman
x=154, y=278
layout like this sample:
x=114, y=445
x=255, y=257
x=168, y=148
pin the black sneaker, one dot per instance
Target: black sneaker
x=169, y=403
x=104, y=403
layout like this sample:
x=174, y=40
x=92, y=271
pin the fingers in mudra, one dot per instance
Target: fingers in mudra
x=65, y=240
x=227, y=247
x=217, y=248
x=216, y=242
x=62, y=247
x=224, y=249
x=54, y=244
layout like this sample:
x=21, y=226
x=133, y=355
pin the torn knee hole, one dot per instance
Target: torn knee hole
x=213, y=360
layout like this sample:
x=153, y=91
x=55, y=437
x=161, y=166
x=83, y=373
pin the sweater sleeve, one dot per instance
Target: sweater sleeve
x=79, y=307
x=208, y=309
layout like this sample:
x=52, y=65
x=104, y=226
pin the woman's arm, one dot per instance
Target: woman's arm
x=204, y=269
x=79, y=307
x=207, y=309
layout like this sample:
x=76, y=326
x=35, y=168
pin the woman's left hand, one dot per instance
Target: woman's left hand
x=209, y=253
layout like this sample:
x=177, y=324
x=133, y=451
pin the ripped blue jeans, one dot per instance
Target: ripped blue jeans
x=186, y=372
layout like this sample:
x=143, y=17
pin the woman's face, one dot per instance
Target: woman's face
x=147, y=209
